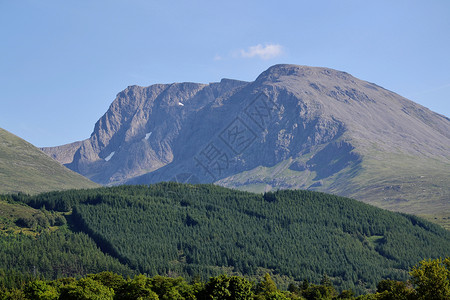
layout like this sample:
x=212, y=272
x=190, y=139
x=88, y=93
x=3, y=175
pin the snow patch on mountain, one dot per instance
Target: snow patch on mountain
x=110, y=156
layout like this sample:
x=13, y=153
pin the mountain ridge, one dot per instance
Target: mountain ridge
x=337, y=131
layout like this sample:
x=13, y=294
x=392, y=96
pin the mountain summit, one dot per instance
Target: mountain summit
x=293, y=127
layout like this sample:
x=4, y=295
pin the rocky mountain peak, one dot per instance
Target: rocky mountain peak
x=293, y=127
x=283, y=72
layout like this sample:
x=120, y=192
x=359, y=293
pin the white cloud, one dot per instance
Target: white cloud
x=217, y=57
x=267, y=51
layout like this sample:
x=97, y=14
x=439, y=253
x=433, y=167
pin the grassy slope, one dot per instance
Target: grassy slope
x=442, y=219
x=395, y=182
x=404, y=183
x=24, y=168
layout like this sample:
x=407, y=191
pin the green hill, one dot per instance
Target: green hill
x=24, y=168
x=206, y=230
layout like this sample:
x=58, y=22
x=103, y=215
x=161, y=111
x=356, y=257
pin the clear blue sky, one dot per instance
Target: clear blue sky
x=63, y=62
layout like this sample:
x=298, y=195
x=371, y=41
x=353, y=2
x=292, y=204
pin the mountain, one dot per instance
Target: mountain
x=293, y=127
x=24, y=168
x=206, y=230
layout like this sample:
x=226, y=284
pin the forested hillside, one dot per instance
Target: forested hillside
x=38, y=243
x=205, y=230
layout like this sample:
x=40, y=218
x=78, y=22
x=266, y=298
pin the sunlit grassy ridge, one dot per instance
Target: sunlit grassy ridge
x=24, y=168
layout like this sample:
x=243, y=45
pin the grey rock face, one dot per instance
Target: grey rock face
x=137, y=133
x=293, y=127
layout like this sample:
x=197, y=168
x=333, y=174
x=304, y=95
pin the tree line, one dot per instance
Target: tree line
x=430, y=280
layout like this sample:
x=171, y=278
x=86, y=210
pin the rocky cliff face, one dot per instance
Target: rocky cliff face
x=137, y=133
x=293, y=127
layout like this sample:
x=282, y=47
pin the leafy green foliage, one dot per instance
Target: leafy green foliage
x=41, y=290
x=99, y=286
x=432, y=279
x=224, y=287
x=108, y=285
x=86, y=289
x=392, y=289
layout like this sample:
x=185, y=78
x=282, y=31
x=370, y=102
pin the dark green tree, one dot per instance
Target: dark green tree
x=224, y=287
x=137, y=288
x=109, y=279
x=294, y=288
x=393, y=290
x=323, y=292
x=305, y=284
x=346, y=294
x=267, y=285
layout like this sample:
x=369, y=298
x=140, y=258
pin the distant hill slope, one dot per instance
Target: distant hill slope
x=178, y=229
x=24, y=168
x=293, y=127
